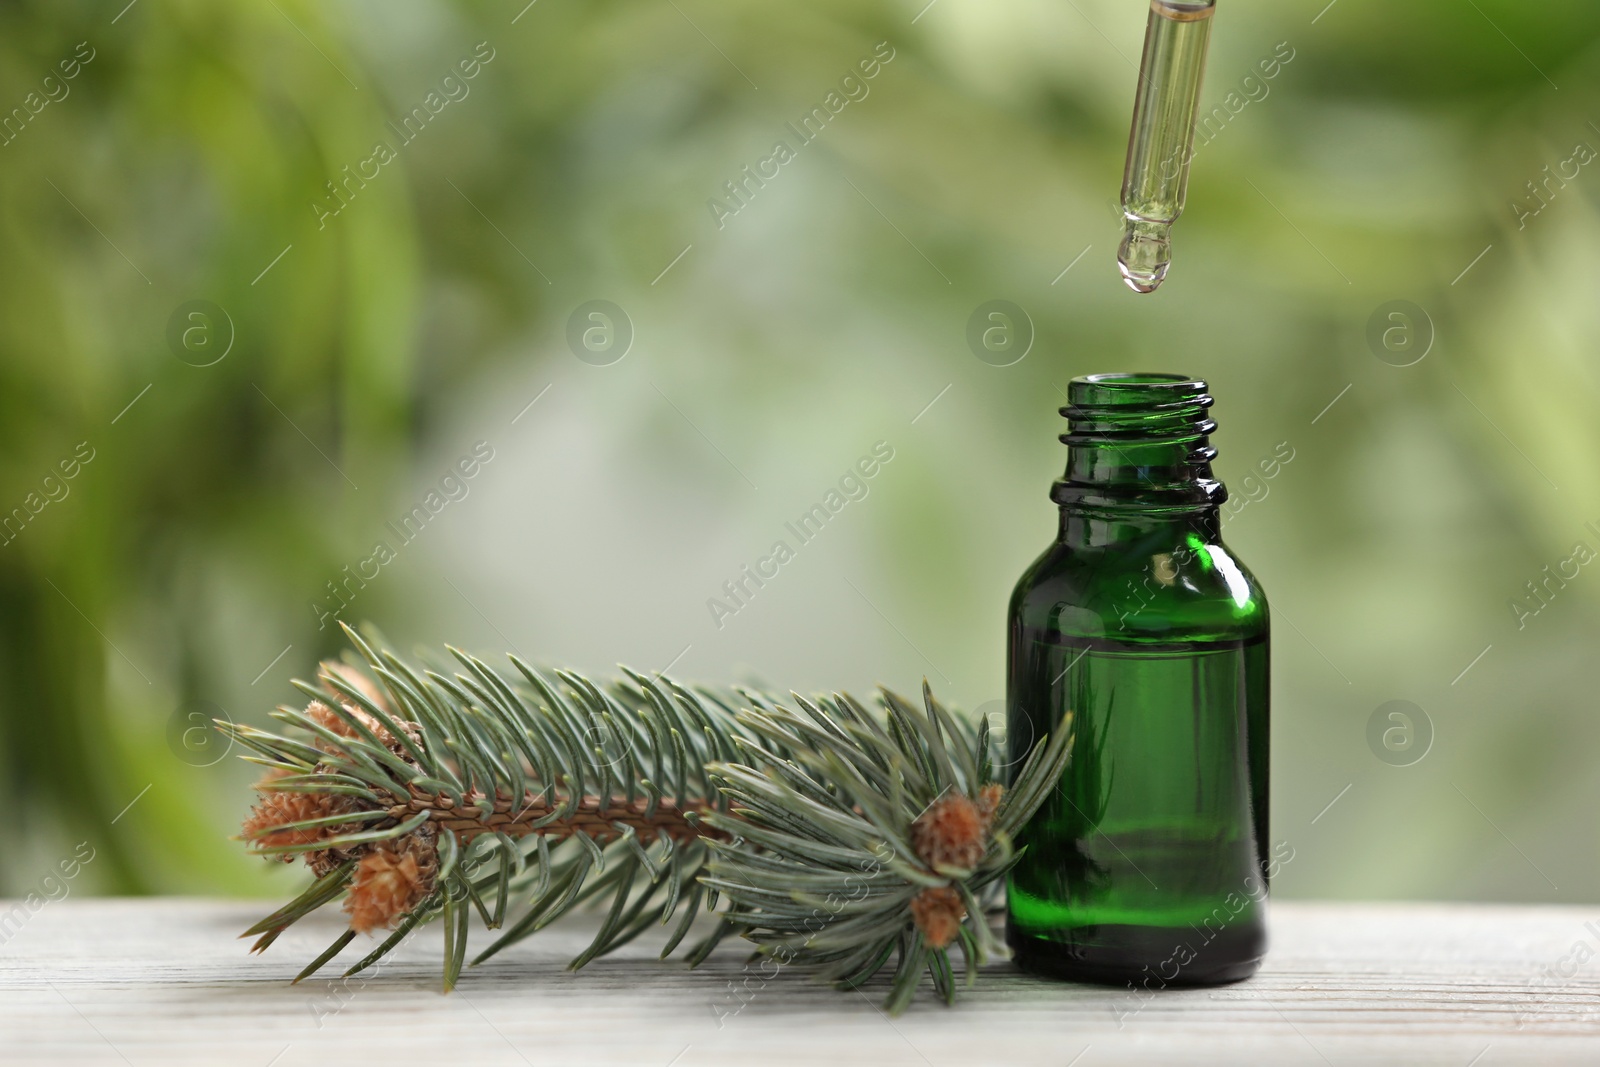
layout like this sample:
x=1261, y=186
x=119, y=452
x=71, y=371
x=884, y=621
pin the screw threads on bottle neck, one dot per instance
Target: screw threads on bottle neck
x=1138, y=443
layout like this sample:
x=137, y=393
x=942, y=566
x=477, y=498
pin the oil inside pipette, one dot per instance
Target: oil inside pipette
x=1160, y=143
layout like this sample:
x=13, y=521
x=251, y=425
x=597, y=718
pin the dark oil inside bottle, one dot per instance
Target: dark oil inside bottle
x=1146, y=862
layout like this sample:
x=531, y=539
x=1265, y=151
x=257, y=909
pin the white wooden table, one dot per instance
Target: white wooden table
x=165, y=981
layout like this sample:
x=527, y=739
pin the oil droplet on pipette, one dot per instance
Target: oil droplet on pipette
x=1145, y=254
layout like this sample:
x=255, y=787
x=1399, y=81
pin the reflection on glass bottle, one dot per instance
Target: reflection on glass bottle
x=1149, y=861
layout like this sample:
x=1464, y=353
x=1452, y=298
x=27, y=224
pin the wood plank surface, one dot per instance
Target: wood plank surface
x=166, y=981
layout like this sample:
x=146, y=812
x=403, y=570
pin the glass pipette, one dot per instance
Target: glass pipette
x=1160, y=143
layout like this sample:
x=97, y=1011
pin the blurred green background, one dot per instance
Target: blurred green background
x=364, y=353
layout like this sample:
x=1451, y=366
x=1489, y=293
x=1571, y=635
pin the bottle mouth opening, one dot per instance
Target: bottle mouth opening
x=1138, y=439
x=1095, y=398
x=1142, y=407
x=1137, y=378
x=1133, y=387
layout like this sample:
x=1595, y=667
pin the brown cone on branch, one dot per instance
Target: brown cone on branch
x=391, y=879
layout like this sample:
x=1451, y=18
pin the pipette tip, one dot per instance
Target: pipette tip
x=1145, y=254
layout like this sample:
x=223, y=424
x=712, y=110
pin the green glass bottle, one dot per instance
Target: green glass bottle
x=1149, y=864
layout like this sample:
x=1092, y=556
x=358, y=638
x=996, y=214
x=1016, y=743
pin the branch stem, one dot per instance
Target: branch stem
x=588, y=816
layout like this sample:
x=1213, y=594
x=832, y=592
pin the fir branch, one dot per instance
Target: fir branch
x=843, y=840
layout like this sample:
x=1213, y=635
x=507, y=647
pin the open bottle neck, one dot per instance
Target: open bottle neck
x=1087, y=530
x=1138, y=460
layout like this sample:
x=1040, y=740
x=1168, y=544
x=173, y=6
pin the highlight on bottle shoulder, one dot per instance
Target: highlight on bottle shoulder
x=1160, y=143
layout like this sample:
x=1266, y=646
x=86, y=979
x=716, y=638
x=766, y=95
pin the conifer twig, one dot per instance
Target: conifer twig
x=842, y=838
